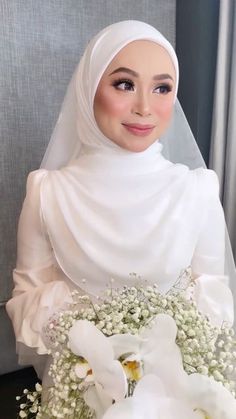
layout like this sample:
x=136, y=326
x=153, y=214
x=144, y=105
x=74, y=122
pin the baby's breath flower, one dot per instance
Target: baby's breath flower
x=205, y=349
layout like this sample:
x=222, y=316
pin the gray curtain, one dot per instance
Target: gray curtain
x=196, y=45
x=223, y=142
x=40, y=45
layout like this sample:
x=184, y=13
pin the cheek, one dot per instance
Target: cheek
x=110, y=103
x=164, y=109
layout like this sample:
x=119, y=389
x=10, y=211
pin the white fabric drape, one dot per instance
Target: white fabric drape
x=223, y=141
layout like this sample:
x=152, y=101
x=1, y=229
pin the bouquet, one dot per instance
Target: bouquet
x=138, y=353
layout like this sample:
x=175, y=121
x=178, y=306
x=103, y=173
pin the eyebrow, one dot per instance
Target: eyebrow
x=135, y=74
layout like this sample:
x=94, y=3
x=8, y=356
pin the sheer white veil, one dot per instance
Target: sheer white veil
x=76, y=123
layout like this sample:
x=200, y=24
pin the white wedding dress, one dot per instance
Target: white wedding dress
x=74, y=226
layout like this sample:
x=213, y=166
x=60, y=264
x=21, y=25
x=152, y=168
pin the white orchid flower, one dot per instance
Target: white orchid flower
x=154, y=349
x=201, y=398
x=103, y=376
x=214, y=299
x=150, y=401
x=210, y=397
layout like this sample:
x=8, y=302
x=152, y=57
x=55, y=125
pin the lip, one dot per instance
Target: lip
x=141, y=130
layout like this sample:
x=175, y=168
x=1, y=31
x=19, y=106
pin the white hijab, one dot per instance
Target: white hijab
x=76, y=124
x=92, y=206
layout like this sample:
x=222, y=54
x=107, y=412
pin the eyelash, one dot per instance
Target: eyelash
x=118, y=82
x=165, y=88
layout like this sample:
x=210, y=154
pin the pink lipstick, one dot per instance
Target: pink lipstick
x=141, y=130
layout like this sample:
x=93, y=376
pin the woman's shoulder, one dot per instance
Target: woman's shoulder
x=35, y=178
x=207, y=181
x=42, y=183
x=207, y=177
x=33, y=187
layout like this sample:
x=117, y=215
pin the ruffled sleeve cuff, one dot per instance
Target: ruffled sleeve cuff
x=214, y=299
x=31, y=310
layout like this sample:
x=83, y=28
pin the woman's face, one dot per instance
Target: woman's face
x=135, y=96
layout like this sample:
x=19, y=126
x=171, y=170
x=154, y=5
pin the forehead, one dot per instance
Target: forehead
x=143, y=54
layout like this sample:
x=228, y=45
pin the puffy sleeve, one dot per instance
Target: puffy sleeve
x=37, y=291
x=209, y=255
x=211, y=291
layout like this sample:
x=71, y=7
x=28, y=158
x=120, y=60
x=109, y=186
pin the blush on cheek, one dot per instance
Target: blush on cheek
x=101, y=101
x=164, y=110
x=113, y=105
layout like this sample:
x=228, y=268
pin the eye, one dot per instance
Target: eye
x=123, y=84
x=163, y=89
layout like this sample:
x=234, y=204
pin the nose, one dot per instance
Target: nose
x=142, y=106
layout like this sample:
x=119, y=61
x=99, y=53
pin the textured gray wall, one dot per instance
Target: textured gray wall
x=40, y=45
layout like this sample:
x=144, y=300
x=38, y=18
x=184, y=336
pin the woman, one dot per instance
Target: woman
x=116, y=206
